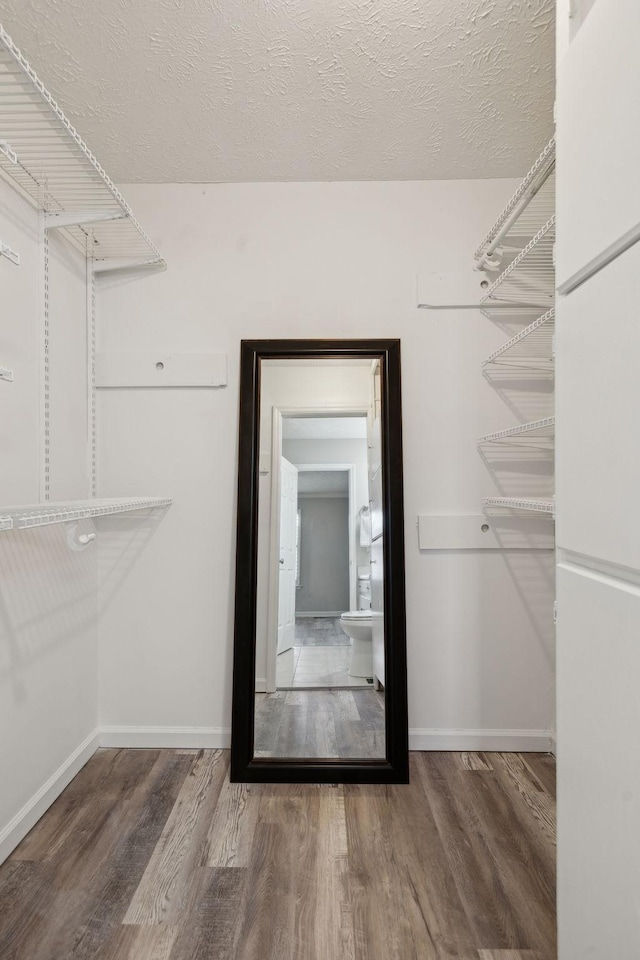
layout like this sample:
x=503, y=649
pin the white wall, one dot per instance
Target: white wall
x=48, y=631
x=310, y=260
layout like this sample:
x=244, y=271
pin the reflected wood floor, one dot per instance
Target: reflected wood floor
x=154, y=855
x=320, y=723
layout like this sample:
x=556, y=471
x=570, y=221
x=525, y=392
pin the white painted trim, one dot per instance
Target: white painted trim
x=261, y=684
x=610, y=570
x=28, y=816
x=522, y=741
x=158, y=738
x=554, y=745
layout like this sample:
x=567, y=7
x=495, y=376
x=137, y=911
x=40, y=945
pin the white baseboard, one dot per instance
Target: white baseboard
x=215, y=738
x=553, y=744
x=261, y=685
x=28, y=816
x=156, y=738
x=522, y=741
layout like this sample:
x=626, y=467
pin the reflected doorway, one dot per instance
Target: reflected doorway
x=330, y=531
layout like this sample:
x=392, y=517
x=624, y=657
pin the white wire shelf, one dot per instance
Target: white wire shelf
x=45, y=158
x=532, y=347
x=530, y=277
x=42, y=514
x=515, y=503
x=531, y=206
x=538, y=429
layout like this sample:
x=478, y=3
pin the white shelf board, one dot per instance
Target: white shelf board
x=532, y=347
x=543, y=429
x=161, y=370
x=48, y=162
x=514, y=503
x=481, y=532
x=42, y=514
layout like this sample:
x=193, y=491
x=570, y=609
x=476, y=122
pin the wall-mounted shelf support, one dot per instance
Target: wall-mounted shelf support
x=6, y=374
x=56, y=221
x=112, y=266
x=9, y=153
x=6, y=251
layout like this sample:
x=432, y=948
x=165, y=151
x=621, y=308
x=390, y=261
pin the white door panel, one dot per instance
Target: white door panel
x=287, y=556
x=597, y=407
x=598, y=767
x=598, y=143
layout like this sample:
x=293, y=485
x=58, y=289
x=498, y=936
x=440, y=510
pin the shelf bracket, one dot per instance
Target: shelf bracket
x=56, y=221
x=6, y=251
x=8, y=152
x=6, y=523
x=6, y=374
x=127, y=266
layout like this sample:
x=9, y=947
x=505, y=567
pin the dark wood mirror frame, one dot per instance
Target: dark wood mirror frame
x=395, y=767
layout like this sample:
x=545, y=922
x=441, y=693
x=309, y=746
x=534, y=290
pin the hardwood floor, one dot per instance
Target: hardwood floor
x=154, y=855
x=320, y=723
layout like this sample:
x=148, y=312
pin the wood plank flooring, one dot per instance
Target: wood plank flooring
x=320, y=723
x=154, y=855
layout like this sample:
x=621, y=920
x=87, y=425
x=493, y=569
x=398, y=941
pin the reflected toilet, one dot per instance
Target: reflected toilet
x=357, y=625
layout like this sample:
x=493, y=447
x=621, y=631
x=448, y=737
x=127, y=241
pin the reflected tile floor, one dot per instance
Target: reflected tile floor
x=315, y=666
x=320, y=632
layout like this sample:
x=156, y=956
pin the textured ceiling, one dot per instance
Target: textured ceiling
x=250, y=90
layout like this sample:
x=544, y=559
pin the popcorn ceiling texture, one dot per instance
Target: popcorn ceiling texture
x=250, y=90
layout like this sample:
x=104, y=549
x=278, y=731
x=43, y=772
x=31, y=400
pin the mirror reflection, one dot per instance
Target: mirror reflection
x=320, y=665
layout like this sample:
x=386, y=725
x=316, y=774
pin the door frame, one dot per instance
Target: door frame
x=278, y=414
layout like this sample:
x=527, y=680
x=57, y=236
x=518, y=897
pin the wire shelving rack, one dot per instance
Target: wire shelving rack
x=531, y=348
x=530, y=277
x=534, y=505
x=531, y=206
x=45, y=158
x=517, y=258
x=42, y=514
x=543, y=429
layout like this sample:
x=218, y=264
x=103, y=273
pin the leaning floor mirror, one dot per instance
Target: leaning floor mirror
x=319, y=676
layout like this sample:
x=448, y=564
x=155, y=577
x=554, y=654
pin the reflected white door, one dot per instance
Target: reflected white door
x=287, y=555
